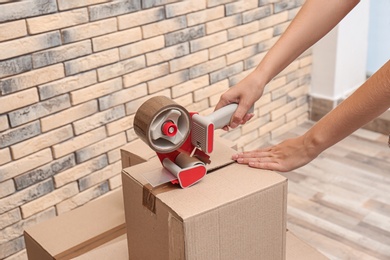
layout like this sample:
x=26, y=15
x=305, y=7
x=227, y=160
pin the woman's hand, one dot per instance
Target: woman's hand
x=286, y=156
x=245, y=94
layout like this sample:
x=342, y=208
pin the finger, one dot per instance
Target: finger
x=238, y=115
x=272, y=166
x=249, y=160
x=248, y=117
x=253, y=154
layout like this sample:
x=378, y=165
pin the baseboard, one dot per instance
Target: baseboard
x=319, y=107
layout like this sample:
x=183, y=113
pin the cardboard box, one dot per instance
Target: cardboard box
x=78, y=231
x=235, y=212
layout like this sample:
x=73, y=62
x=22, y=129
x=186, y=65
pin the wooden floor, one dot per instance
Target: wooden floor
x=340, y=202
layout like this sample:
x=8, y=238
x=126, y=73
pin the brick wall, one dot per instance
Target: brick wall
x=73, y=73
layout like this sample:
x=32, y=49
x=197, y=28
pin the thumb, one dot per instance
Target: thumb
x=221, y=103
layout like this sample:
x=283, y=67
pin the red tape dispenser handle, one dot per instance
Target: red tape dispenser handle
x=203, y=127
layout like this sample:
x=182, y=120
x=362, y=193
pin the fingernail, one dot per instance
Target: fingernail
x=233, y=125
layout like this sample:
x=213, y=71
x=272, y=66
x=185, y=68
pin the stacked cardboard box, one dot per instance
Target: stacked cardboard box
x=77, y=232
x=235, y=212
x=230, y=214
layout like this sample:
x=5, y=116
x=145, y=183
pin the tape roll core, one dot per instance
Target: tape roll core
x=150, y=118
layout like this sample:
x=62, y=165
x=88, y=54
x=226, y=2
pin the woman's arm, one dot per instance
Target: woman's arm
x=315, y=19
x=364, y=105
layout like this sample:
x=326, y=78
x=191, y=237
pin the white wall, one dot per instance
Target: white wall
x=340, y=58
x=324, y=63
x=352, y=45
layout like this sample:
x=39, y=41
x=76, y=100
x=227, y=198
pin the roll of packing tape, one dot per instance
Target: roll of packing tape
x=163, y=124
x=186, y=161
